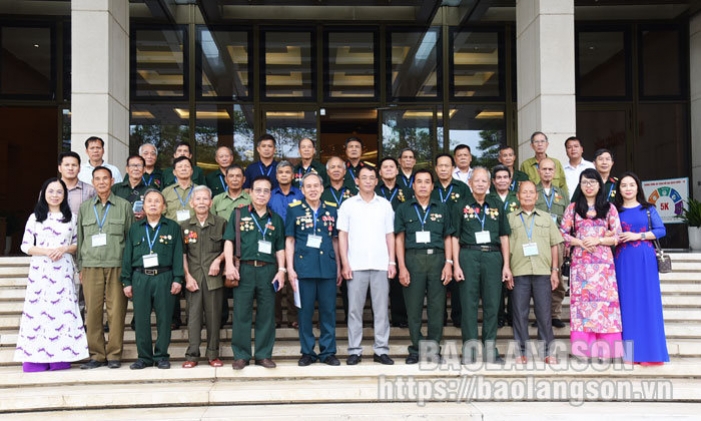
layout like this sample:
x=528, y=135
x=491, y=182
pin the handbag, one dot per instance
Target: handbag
x=233, y=283
x=567, y=261
x=664, y=262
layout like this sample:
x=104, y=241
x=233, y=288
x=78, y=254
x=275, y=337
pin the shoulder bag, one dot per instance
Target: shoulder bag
x=664, y=262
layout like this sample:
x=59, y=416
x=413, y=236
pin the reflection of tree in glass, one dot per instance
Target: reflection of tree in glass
x=488, y=148
x=164, y=137
x=395, y=138
x=287, y=138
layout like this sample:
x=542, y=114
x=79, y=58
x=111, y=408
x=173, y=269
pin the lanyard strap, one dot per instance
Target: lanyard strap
x=506, y=203
x=610, y=190
x=552, y=198
x=513, y=185
x=391, y=198
x=422, y=220
x=408, y=181
x=101, y=223
x=187, y=199
x=150, y=179
x=223, y=184
x=148, y=237
x=339, y=199
x=447, y=196
x=315, y=214
x=529, y=232
x=262, y=169
x=258, y=225
x=484, y=214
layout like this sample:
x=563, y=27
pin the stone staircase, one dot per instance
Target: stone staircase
x=322, y=392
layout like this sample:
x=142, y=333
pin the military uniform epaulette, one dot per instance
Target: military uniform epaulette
x=295, y=203
x=330, y=204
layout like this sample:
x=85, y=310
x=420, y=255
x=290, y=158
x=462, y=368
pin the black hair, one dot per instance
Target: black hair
x=259, y=178
x=266, y=136
x=573, y=139
x=441, y=155
x=602, y=151
x=69, y=154
x=98, y=168
x=424, y=171
x=181, y=159
x=389, y=158
x=499, y=168
x=601, y=205
x=183, y=143
x=407, y=150
x=354, y=139
x=639, y=196
x=460, y=147
x=41, y=210
x=234, y=167
x=94, y=139
x=143, y=161
x=505, y=147
x=306, y=138
x=368, y=168
x=537, y=133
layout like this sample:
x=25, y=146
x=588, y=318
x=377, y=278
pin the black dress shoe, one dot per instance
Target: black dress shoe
x=163, y=364
x=501, y=323
x=412, y=359
x=457, y=324
x=403, y=325
x=92, y=364
x=140, y=365
x=534, y=324
x=305, y=360
x=114, y=364
x=558, y=323
x=354, y=359
x=498, y=360
x=107, y=328
x=383, y=359
x=332, y=360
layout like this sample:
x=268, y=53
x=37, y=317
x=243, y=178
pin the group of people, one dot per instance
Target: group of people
x=277, y=231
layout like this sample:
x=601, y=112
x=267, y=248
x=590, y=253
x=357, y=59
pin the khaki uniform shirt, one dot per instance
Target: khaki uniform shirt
x=530, y=167
x=203, y=244
x=223, y=204
x=177, y=199
x=555, y=203
x=544, y=233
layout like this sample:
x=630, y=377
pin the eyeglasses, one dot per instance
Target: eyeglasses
x=261, y=191
x=589, y=183
x=135, y=166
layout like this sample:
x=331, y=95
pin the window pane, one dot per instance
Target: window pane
x=351, y=64
x=224, y=125
x=663, y=142
x=163, y=125
x=224, y=64
x=66, y=130
x=160, y=63
x=661, y=63
x=288, y=65
x=599, y=129
x=482, y=128
x=409, y=129
x=288, y=127
x=601, y=64
x=338, y=124
x=476, y=64
x=414, y=64
x=26, y=61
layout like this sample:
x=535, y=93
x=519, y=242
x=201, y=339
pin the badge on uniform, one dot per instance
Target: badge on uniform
x=150, y=260
x=423, y=237
x=554, y=217
x=265, y=247
x=183, y=215
x=483, y=237
x=99, y=240
x=530, y=249
x=314, y=241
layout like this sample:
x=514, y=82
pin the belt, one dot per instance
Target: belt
x=483, y=247
x=425, y=251
x=153, y=271
x=255, y=263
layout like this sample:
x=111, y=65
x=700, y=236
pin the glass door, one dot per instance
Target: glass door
x=608, y=127
x=289, y=124
x=415, y=128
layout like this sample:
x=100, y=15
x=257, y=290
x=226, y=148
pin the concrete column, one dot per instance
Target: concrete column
x=545, y=74
x=100, y=76
x=695, y=95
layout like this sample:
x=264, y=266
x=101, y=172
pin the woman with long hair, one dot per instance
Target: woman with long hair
x=638, y=279
x=51, y=333
x=591, y=226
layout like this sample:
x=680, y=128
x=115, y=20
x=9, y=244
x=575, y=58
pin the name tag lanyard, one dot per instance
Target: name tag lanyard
x=223, y=183
x=263, y=231
x=148, y=237
x=147, y=183
x=391, y=198
x=422, y=220
x=262, y=169
x=529, y=232
x=338, y=200
x=548, y=204
x=423, y=236
x=484, y=215
x=410, y=181
x=183, y=203
x=101, y=223
x=447, y=196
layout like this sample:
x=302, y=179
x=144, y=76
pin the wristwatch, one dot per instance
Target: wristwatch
x=555, y=269
x=642, y=236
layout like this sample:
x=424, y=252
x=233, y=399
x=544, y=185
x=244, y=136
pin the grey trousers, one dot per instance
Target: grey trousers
x=538, y=287
x=379, y=294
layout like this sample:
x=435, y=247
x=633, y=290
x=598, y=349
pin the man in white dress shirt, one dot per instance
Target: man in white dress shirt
x=463, y=158
x=576, y=164
x=95, y=148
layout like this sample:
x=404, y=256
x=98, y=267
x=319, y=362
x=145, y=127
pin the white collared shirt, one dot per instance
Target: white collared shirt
x=367, y=225
x=572, y=174
x=462, y=176
x=85, y=174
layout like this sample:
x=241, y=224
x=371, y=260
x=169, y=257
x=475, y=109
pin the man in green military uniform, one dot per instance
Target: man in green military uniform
x=481, y=258
x=307, y=163
x=554, y=201
x=354, y=151
x=103, y=224
x=152, y=177
x=507, y=158
x=407, y=161
x=338, y=192
x=422, y=228
x=152, y=276
x=603, y=163
x=204, y=287
x=178, y=195
x=216, y=180
x=501, y=180
x=132, y=189
x=262, y=265
x=450, y=191
x=314, y=268
x=182, y=149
